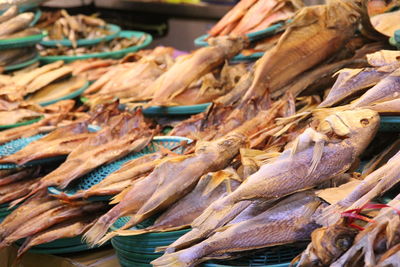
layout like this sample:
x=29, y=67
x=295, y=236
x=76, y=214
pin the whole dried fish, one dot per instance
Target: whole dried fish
x=63, y=230
x=209, y=188
x=47, y=78
x=11, y=12
x=58, y=89
x=19, y=115
x=24, y=33
x=49, y=218
x=19, y=175
x=60, y=142
x=337, y=21
x=26, y=78
x=17, y=23
x=288, y=221
x=192, y=67
x=304, y=161
x=387, y=89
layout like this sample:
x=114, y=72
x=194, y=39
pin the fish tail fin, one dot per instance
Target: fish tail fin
x=100, y=228
x=24, y=248
x=132, y=232
x=169, y=260
x=120, y=196
x=107, y=237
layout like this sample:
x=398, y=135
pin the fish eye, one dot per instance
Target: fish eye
x=343, y=243
x=364, y=122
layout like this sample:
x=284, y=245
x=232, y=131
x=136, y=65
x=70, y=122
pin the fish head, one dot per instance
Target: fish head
x=358, y=125
x=327, y=245
x=224, y=147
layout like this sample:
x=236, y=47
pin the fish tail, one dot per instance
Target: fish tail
x=100, y=228
x=169, y=260
x=132, y=232
x=24, y=248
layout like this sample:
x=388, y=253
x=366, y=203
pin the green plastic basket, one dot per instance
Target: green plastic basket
x=8, y=126
x=23, y=64
x=390, y=124
x=114, y=31
x=21, y=42
x=100, y=173
x=112, y=54
x=254, y=36
x=69, y=96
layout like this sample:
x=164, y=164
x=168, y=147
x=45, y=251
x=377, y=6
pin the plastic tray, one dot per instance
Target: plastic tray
x=112, y=54
x=175, y=110
x=254, y=36
x=2, y=127
x=69, y=96
x=21, y=42
x=97, y=175
x=114, y=29
x=38, y=14
x=16, y=145
x=390, y=124
x=23, y=64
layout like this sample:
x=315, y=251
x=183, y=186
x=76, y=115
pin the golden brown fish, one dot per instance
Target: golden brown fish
x=46, y=78
x=19, y=175
x=63, y=230
x=180, y=215
x=58, y=90
x=192, y=67
x=288, y=221
x=24, y=79
x=329, y=27
x=18, y=115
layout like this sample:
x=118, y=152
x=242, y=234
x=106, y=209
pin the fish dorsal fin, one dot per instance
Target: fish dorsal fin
x=219, y=177
x=120, y=196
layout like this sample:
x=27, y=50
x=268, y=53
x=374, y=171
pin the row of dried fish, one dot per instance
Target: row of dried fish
x=15, y=25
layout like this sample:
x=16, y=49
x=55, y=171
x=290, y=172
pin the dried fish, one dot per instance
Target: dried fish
x=17, y=23
x=288, y=221
x=46, y=78
x=9, y=13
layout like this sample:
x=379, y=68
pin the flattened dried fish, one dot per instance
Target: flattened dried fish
x=47, y=78
x=58, y=90
x=25, y=78
x=19, y=115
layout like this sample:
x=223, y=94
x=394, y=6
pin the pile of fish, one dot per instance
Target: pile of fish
x=14, y=25
x=61, y=25
x=158, y=77
x=272, y=159
x=254, y=15
x=116, y=44
x=36, y=85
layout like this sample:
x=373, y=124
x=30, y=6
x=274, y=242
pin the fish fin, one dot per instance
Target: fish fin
x=216, y=179
x=24, y=248
x=169, y=260
x=160, y=249
x=317, y=156
x=106, y=238
x=116, y=199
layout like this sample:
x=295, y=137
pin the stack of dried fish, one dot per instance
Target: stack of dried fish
x=49, y=219
x=14, y=25
x=186, y=82
x=60, y=25
x=252, y=15
x=116, y=44
x=41, y=84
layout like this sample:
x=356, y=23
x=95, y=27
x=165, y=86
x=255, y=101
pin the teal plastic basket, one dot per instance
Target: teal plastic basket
x=111, y=54
x=23, y=64
x=114, y=31
x=69, y=96
x=390, y=124
x=175, y=110
x=254, y=36
x=14, y=146
x=100, y=173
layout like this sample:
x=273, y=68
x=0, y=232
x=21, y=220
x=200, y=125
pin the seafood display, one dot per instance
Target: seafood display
x=297, y=149
x=61, y=25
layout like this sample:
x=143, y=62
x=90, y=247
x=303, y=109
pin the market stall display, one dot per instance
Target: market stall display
x=193, y=159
